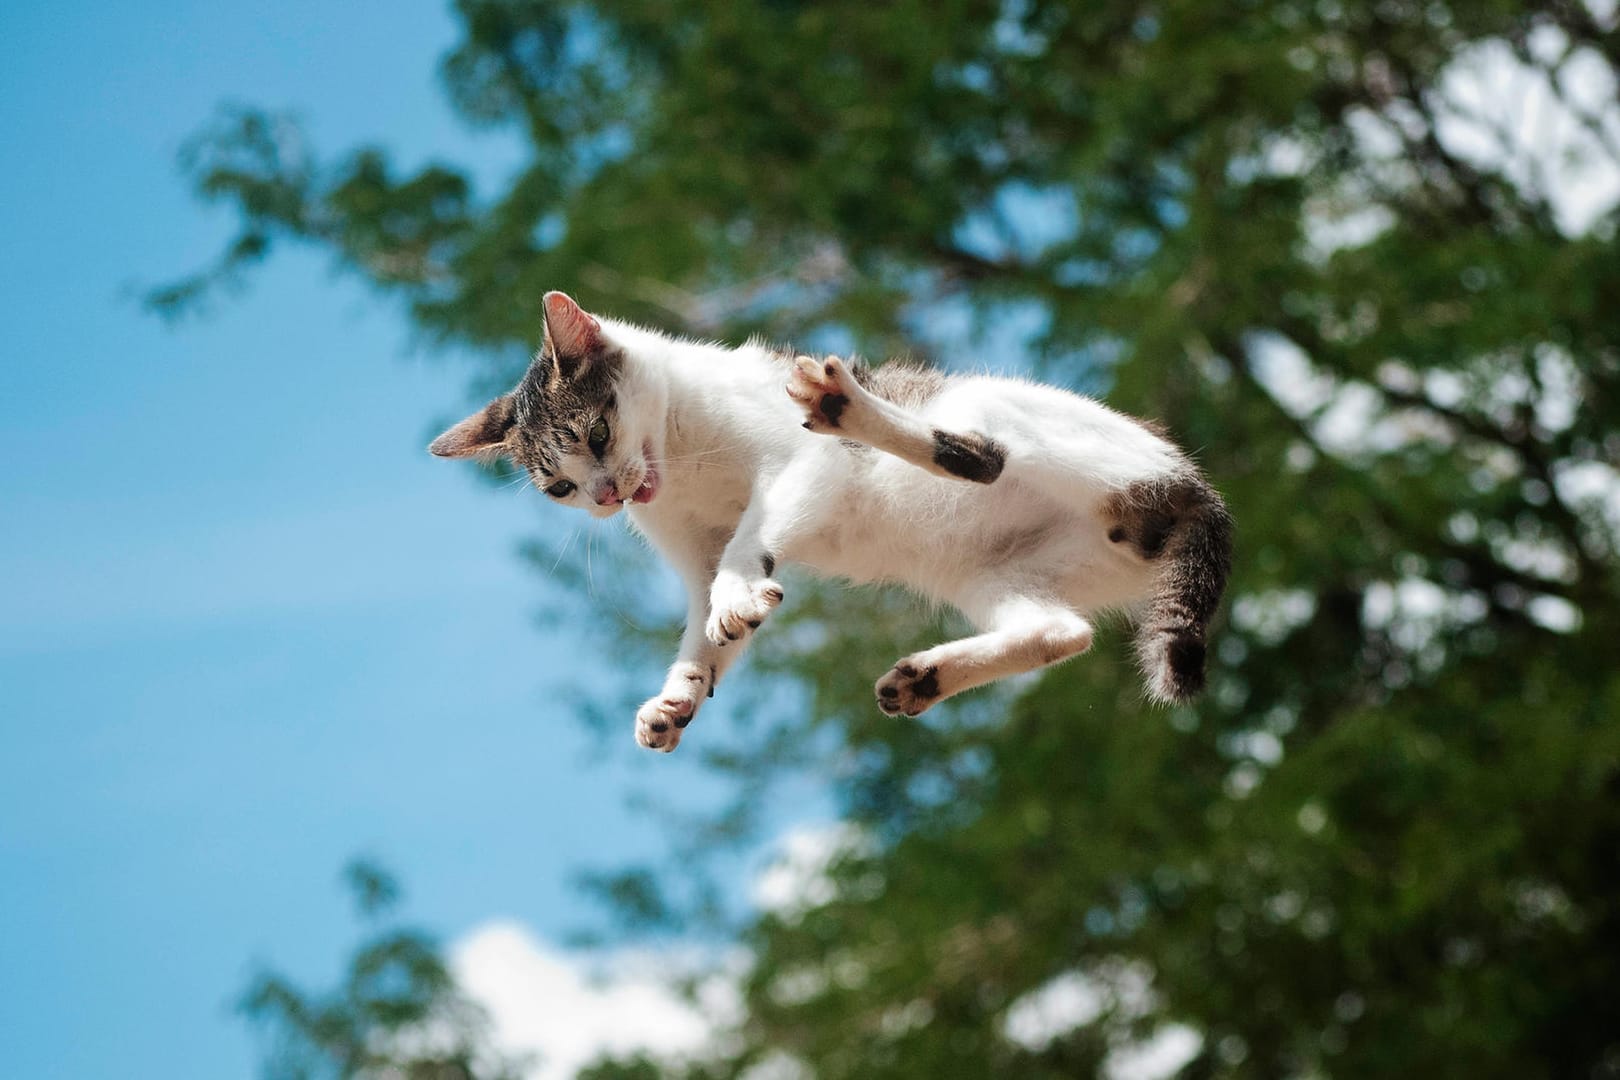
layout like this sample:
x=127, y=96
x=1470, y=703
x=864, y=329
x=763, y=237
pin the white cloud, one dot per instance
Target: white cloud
x=567, y=1009
x=796, y=880
x=1332, y=224
x=1592, y=487
x=1069, y=1001
x=1162, y=1054
x=1115, y=992
x=1272, y=614
x=1289, y=376
x=1549, y=125
x=1555, y=613
x=1345, y=418
x=1551, y=137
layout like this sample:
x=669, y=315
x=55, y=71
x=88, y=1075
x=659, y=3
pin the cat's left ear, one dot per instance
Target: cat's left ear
x=572, y=333
x=483, y=434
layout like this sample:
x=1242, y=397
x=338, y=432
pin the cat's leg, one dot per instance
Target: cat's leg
x=691, y=679
x=745, y=592
x=698, y=665
x=835, y=404
x=1021, y=634
x=730, y=590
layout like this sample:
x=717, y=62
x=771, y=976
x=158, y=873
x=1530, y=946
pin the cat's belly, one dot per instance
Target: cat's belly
x=942, y=537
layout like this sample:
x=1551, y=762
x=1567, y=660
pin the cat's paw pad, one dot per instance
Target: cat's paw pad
x=909, y=687
x=737, y=608
x=825, y=390
x=661, y=720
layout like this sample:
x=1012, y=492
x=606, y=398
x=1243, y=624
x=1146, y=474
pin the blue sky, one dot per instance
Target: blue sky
x=248, y=627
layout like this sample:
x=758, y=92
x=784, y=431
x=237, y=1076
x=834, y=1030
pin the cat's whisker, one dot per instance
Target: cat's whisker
x=703, y=456
x=522, y=479
x=567, y=546
x=618, y=610
x=590, y=579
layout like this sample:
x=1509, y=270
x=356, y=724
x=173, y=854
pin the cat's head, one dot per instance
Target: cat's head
x=585, y=421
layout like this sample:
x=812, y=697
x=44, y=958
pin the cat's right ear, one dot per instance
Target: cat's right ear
x=483, y=434
x=571, y=333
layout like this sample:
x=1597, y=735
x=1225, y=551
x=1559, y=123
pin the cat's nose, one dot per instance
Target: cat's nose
x=608, y=494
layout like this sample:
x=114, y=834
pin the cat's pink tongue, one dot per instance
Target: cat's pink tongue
x=648, y=488
x=649, y=483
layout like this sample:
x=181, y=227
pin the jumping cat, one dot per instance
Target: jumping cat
x=1029, y=508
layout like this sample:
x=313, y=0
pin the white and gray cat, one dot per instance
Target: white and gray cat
x=1028, y=508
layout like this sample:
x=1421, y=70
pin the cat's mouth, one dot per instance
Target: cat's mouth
x=649, y=479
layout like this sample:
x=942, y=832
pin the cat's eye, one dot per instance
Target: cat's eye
x=561, y=489
x=598, y=435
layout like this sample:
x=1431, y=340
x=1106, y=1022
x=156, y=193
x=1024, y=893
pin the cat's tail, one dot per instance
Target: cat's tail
x=1195, y=531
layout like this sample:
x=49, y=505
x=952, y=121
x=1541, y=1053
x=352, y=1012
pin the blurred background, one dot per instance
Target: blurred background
x=315, y=753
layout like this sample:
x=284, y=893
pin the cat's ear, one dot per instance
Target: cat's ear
x=572, y=333
x=483, y=434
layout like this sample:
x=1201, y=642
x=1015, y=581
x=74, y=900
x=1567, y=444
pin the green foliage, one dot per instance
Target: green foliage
x=396, y=1013
x=1385, y=843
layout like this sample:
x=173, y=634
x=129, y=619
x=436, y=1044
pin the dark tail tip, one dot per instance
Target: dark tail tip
x=1173, y=662
x=1186, y=660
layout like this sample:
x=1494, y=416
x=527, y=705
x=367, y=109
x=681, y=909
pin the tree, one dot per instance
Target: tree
x=1384, y=842
x=397, y=1014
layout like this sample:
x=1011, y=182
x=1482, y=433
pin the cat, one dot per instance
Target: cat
x=1029, y=508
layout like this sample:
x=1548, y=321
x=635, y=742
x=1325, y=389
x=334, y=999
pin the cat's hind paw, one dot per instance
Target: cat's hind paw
x=825, y=389
x=909, y=687
x=661, y=720
x=737, y=607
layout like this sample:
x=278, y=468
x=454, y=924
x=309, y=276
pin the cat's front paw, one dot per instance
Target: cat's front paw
x=737, y=607
x=661, y=720
x=910, y=687
x=825, y=389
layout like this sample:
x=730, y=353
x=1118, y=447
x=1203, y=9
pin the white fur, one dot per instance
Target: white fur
x=1026, y=558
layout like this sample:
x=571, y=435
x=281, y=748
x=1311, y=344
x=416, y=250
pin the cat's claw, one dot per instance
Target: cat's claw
x=910, y=687
x=737, y=607
x=824, y=389
x=661, y=720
